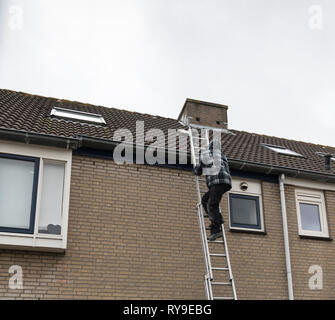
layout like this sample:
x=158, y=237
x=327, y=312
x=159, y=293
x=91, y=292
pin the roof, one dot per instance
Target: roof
x=31, y=113
x=22, y=111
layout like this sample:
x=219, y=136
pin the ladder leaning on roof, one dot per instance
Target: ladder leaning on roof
x=200, y=143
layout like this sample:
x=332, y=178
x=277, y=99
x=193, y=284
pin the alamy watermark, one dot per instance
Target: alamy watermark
x=316, y=280
x=315, y=21
x=154, y=147
x=16, y=280
x=15, y=21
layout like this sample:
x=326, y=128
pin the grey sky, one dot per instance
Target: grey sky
x=260, y=57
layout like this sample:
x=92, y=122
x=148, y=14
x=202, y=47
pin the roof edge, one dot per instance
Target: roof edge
x=277, y=170
x=77, y=142
x=38, y=138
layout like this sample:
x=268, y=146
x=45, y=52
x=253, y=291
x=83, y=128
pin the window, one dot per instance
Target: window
x=18, y=188
x=244, y=211
x=245, y=205
x=77, y=115
x=282, y=150
x=311, y=210
x=34, y=196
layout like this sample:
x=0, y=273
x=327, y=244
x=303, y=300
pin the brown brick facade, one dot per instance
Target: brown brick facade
x=205, y=113
x=309, y=252
x=134, y=234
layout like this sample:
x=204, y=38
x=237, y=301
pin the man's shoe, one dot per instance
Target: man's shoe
x=210, y=228
x=214, y=236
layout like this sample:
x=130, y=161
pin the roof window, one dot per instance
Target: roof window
x=282, y=150
x=77, y=115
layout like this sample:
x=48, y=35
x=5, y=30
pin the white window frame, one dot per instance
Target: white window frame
x=315, y=197
x=254, y=190
x=40, y=241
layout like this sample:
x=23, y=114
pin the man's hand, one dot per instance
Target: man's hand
x=197, y=170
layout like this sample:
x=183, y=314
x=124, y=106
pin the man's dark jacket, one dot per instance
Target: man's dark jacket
x=217, y=166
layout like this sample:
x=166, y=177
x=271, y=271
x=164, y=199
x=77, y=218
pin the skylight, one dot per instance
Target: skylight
x=77, y=115
x=282, y=150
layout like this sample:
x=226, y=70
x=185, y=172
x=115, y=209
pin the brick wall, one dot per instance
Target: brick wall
x=309, y=252
x=133, y=234
x=207, y=113
x=258, y=260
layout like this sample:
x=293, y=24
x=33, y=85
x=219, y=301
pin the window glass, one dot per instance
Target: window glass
x=50, y=219
x=77, y=115
x=16, y=192
x=310, y=217
x=282, y=150
x=244, y=211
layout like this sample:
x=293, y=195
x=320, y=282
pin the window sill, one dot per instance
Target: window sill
x=261, y=232
x=29, y=242
x=315, y=237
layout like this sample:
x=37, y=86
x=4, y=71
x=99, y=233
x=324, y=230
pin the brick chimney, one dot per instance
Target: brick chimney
x=204, y=113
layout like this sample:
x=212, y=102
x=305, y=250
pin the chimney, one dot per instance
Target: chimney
x=204, y=114
x=327, y=161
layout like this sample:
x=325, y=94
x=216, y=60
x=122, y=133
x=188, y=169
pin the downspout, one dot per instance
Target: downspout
x=286, y=242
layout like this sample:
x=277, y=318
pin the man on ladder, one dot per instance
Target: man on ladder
x=218, y=181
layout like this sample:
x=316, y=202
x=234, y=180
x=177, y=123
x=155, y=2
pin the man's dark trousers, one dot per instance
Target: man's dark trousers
x=211, y=202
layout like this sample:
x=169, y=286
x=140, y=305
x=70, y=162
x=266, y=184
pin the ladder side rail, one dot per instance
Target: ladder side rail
x=193, y=155
x=200, y=213
x=204, y=247
x=210, y=289
x=203, y=233
x=228, y=261
x=206, y=139
x=207, y=287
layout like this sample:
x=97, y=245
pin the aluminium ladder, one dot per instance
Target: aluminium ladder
x=200, y=143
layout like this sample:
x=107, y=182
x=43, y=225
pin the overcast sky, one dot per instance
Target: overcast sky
x=271, y=61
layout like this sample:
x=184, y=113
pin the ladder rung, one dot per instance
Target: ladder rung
x=217, y=254
x=217, y=241
x=223, y=298
x=221, y=283
x=220, y=268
